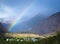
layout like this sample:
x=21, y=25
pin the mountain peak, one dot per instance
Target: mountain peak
x=56, y=14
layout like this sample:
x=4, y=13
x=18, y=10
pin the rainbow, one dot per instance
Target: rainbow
x=15, y=21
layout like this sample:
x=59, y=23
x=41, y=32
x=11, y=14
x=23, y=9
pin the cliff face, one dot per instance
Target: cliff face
x=51, y=24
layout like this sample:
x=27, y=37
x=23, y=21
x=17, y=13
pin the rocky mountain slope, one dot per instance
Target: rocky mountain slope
x=48, y=25
x=2, y=29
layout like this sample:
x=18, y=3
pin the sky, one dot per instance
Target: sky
x=27, y=9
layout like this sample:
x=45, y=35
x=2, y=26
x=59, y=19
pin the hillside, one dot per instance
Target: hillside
x=48, y=25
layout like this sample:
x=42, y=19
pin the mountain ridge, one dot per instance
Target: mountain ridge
x=48, y=25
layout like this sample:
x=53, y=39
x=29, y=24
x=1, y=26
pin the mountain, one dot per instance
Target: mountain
x=6, y=25
x=48, y=25
x=2, y=29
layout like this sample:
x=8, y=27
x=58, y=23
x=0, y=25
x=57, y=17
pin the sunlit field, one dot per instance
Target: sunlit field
x=20, y=35
x=31, y=40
